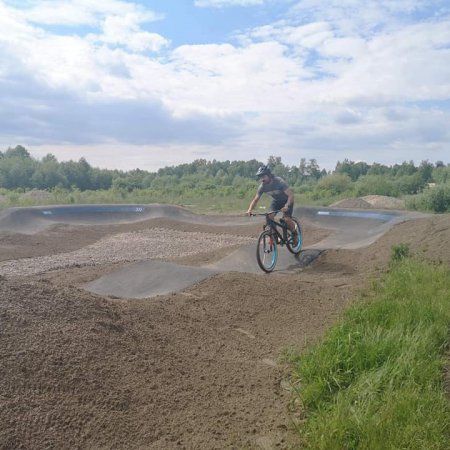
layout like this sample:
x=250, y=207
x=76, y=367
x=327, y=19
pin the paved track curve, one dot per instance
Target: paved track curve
x=350, y=229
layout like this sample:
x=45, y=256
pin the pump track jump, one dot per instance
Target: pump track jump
x=150, y=327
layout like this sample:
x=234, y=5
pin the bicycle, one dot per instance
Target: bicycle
x=270, y=237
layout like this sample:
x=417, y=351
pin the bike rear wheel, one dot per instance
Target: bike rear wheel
x=266, y=251
x=295, y=240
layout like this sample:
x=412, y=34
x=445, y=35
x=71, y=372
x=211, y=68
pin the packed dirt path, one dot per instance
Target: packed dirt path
x=198, y=369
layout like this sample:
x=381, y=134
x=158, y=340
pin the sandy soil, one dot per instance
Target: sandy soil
x=200, y=369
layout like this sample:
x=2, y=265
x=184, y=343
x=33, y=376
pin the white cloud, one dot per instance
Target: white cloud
x=361, y=17
x=124, y=30
x=258, y=77
x=117, y=22
x=83, y=12
x=128, y=156
x=224, y=3
x=400, y=66
x=321, y=81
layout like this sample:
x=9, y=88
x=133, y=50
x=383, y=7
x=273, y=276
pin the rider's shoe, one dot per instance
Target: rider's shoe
x=294, y=238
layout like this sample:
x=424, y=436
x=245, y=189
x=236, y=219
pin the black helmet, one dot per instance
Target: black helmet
x=263, y=170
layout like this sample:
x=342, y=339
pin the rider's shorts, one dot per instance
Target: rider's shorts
x=278, y=205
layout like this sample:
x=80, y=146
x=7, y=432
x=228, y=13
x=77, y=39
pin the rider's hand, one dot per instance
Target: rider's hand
x=284, y=209
x=249, y=212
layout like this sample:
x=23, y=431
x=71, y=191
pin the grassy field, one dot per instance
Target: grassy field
x=224, y=200
x=220, y=200
x=376, y=381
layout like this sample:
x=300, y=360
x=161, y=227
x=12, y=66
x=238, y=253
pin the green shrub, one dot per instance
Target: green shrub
x=435, y=199
x=399, y=252
x=409, y=184
x=376, y=185
x=334, y=184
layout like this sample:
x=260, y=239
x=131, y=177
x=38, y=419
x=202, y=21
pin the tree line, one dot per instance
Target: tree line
x=20, y=171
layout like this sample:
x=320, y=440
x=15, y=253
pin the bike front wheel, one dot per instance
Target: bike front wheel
x=295, y=239
x=267, y=251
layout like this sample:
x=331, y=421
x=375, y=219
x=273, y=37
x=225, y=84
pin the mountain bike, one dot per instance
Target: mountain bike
x=276, y=233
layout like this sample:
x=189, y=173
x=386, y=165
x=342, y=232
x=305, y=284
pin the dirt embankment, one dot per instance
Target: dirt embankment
x=199, y=369
x=371, y=201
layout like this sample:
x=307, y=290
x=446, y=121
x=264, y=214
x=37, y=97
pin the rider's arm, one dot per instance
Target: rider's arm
x=290, y=199
x=253, y=203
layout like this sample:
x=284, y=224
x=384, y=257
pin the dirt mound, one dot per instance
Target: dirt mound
x=197, y=369
x=371, y=201
x=351, y=203
x=384, y=202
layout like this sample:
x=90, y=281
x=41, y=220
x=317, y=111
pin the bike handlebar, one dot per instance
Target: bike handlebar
x=267, y=213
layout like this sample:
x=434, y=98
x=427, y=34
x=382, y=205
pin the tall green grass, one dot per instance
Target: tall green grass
x=376, y=381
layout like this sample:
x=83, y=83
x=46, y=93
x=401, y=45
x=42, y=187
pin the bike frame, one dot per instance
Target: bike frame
x=272, y=236
x=273, y=225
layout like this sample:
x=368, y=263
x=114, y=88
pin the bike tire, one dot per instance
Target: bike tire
x=266, y=251
x=295, y=246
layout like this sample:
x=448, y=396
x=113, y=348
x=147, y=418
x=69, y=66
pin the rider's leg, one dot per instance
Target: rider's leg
x=276, y=206
x=287, y=217
x=291, y=225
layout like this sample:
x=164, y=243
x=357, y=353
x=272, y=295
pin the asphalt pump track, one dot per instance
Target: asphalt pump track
x=349, y=229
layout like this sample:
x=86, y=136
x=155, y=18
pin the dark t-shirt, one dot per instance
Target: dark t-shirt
x=275, y=189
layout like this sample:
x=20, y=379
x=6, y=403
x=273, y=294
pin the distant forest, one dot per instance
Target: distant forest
x=19, y=171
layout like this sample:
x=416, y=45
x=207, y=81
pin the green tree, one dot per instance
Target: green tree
x=77, y=173
x=426, y=171
x=441, y=174
x=16, y=168
x=376, y=185
x=378, y=169
x=352, y=169
x=17, y=152
x=406, y=168
x=101, y=179
x=409, y=184
x=48, y=174
x=334, y=184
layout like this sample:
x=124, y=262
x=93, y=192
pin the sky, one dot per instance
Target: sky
x=154, y=83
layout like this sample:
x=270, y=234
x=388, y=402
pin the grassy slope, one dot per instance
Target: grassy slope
x=376, y=379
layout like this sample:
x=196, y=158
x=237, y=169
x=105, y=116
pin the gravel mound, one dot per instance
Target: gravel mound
x=384, y=202
x=351, y=203
x=371, y=201
x=156, y=243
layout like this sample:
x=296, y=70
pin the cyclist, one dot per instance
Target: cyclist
x=277, y=188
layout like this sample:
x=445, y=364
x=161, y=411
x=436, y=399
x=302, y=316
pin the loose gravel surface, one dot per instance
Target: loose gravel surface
x=198, y=369
x=156, y=243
